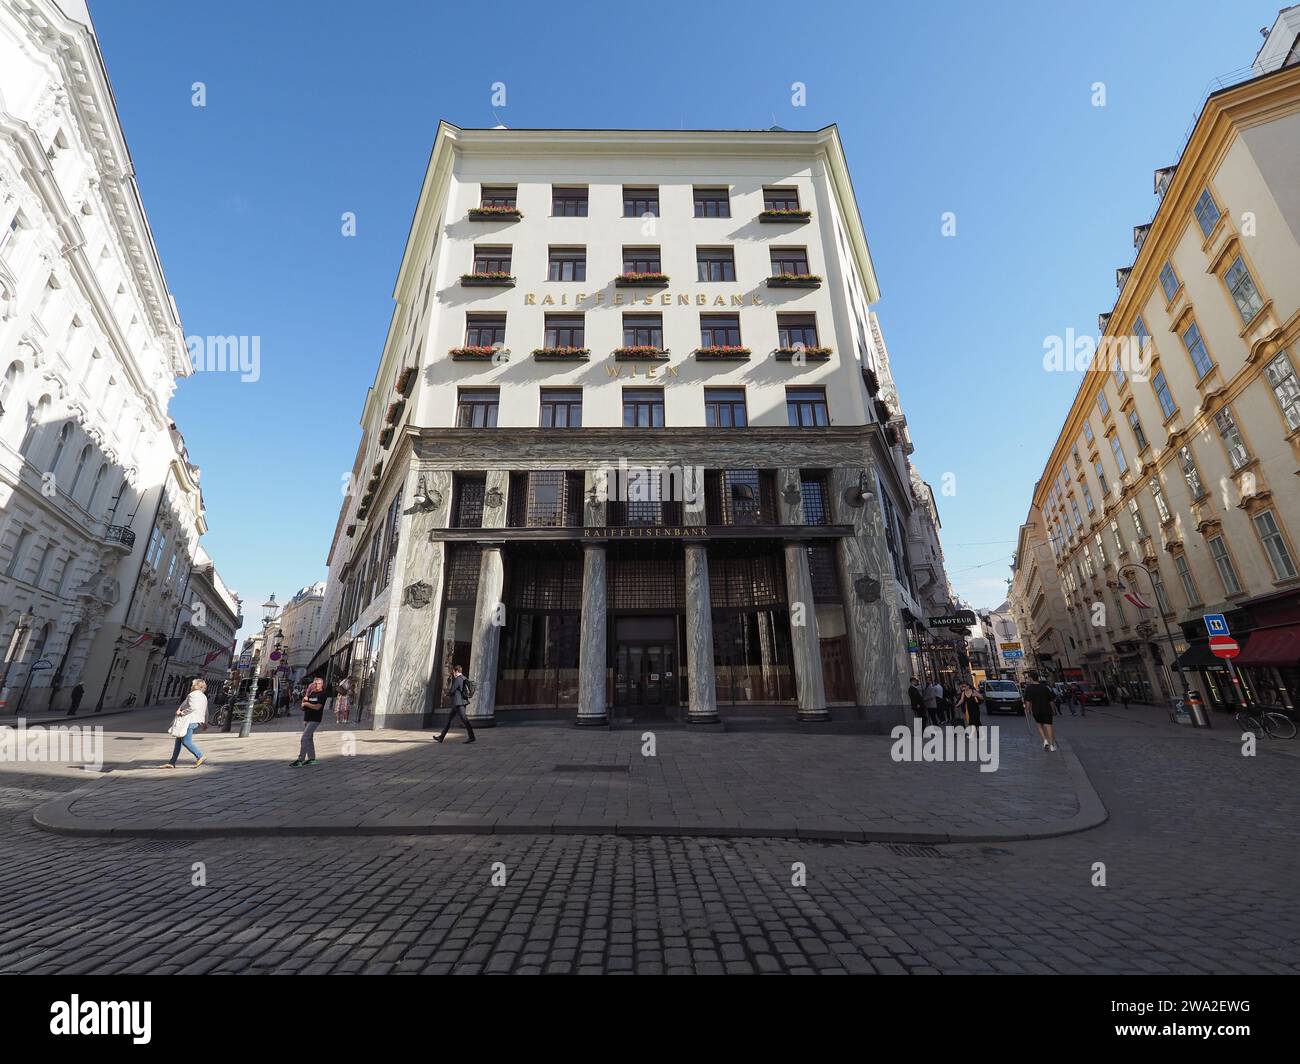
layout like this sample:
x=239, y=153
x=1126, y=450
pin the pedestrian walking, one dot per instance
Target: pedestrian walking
x=968, y=706
x=1124, y=695
x=78, y=693
x=1072, y=698
x=313, y=705
x=189, y=715
x=459, y=691
x=1039, y=699
x=917, y=699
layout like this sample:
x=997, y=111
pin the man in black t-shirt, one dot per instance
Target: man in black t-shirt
x=1039, y=699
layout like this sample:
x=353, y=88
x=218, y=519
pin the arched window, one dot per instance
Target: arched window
x=16, y=557
x=8, y=385
x=36, y=417
x=65, y=434
x=94, y=487
x=82, y=459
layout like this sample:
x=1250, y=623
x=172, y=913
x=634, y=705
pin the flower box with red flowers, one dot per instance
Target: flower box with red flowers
x=480, y=354
x=722, y=354
x=495, y=214
x=809, y=354
x=395, y=412
x=487, y=280
x=785, y=214
x=350, y=531
x=795, y=280
x=641, y=280
x=404, y=381
x=640, y=354
x=562, y=354
x=386, y=437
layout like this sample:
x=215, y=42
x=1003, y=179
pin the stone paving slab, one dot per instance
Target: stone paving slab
x=523, y=780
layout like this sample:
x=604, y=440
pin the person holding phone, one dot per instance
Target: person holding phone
x=313, y=706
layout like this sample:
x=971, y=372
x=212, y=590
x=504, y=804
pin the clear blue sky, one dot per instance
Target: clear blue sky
x=316, y=108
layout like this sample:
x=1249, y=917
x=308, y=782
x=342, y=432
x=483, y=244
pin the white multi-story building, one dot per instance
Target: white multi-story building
x=300, y=629
x=632, y=449
x=100, y=509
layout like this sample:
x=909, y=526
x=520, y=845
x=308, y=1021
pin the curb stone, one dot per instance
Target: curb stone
x=57, y=817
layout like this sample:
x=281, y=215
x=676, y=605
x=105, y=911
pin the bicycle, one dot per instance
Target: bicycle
x=1266, y=722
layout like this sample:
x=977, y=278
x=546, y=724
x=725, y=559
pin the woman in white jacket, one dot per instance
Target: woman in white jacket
x=192, y=712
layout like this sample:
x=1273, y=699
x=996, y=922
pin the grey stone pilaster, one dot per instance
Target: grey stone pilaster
x=702, y=706
x=877, y=642
x=592, y=654
x=408, y=687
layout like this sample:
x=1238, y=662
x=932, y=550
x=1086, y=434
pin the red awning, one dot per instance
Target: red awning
x=1271, y=646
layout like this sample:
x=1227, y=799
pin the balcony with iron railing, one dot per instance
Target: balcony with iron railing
x=120, y=536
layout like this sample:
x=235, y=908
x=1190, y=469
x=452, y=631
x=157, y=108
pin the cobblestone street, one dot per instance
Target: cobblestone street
x=1200, y=855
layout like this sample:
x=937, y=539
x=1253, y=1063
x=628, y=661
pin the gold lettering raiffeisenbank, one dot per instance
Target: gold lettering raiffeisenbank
x=663, y=299
x=640, y=532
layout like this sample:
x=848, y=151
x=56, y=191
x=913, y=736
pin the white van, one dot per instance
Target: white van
x=1002, y=696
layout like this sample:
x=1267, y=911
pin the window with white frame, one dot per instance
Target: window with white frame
x=1270, y=535
x=1244, y=293
x=1196, y=348
x=1207, y=212
x=1223, y=562
x=1169, y=280
x=1118, y=451
x=1185, y=578
x=1136, y=514
x=1232, y=439
x=1282, y=379
x=1191, y=473
x=1101, y=478
x=1162, y=508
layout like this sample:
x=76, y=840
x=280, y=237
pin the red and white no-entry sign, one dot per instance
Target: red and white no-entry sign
x=1224, y=646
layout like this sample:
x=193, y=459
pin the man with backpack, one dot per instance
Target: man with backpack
x=459, y=691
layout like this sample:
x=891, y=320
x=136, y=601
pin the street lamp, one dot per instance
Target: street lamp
x=1182, y=672
x=25, y=621
x=269, y=610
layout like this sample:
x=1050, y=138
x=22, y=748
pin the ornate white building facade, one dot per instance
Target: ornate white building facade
x=100, y=507
x=575, y=302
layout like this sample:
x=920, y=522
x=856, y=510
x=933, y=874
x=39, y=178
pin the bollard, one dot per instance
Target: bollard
x=1196, y=707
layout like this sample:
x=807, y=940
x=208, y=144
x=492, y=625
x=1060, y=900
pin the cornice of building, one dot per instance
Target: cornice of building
x=1225, y=114
x=69, y=42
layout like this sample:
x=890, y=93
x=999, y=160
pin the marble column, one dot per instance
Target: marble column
x=806, y=643
x=702, y=707
x=486, y=651
x=805, y=638
x=593, y=654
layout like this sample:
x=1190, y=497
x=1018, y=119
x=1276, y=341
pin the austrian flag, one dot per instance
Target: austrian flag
x=1136, y=599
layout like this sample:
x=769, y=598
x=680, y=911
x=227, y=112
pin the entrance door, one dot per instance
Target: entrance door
x=644, y=674
x=645, y=666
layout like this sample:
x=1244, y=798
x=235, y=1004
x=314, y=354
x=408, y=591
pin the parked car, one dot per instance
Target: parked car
x=1092, y=696
x=1002, y=696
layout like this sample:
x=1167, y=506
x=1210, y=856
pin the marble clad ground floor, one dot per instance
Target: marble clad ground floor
x=764, y=588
